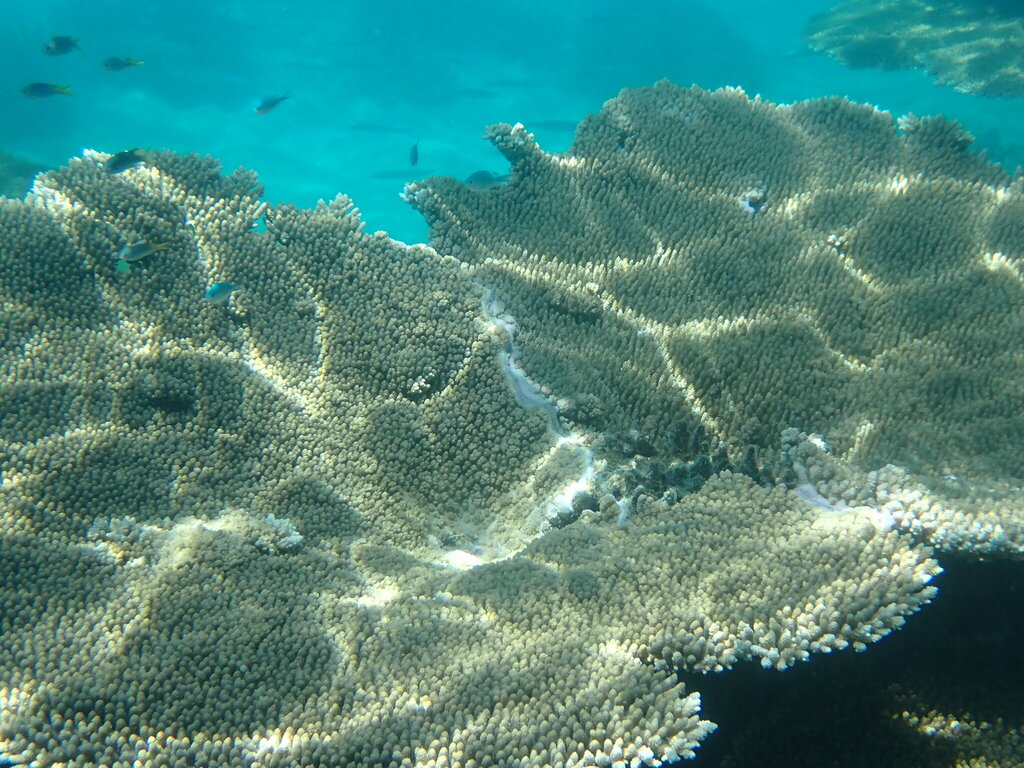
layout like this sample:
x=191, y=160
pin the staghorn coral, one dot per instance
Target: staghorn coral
x=242, y=535
x=704, y=263
x=975, y=46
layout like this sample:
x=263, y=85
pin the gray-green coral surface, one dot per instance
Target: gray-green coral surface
x=425, y=506
x=706, y=262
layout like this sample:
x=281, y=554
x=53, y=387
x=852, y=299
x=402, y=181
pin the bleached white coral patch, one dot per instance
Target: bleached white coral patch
x=460, y=559
x=282, y=536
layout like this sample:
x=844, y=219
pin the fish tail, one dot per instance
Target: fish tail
x=62, y=89
x=135, y=62
x=162, y=246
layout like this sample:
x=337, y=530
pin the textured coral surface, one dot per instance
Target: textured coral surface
x=872, y=298
x=672, y=401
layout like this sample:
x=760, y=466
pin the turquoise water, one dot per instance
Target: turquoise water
x=370, y=79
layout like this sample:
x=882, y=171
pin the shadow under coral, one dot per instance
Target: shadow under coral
x=957, y=657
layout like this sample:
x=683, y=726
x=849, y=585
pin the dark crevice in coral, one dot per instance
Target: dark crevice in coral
x=638, y=468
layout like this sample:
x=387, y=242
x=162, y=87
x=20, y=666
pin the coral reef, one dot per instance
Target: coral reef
x=976, y=46
x=872, y=298
x=335, y=433
x=480, y=504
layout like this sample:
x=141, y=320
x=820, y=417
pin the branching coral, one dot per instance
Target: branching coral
x=320, y=526
x=872, y=299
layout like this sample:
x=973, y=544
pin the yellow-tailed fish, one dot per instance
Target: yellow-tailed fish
x=117, y=63
x=140, y=250
x=44, y=90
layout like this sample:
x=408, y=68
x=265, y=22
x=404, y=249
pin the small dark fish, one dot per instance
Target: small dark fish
x=414, y=153
x=478, y=181
x=140, y=250
x=220, y=293
x=270, y=102
x=122, y=161
x=59, y=45
x=117, y=63
x=44, y=90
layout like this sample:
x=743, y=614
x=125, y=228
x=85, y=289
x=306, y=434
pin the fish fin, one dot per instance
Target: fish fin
x=62, y=89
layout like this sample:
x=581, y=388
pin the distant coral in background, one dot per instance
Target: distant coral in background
x=16, y=174
x=976, y=46
x=674, y=400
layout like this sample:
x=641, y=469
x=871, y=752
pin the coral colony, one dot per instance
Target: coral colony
x=479, y=503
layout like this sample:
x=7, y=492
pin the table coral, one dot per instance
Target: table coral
x=872, y=299
x=318, y=526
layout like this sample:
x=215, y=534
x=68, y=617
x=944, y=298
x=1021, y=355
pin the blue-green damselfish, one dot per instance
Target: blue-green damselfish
x=220, y=293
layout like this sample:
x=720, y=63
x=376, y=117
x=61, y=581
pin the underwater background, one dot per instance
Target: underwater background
x=368, y=80
x=380, y=94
